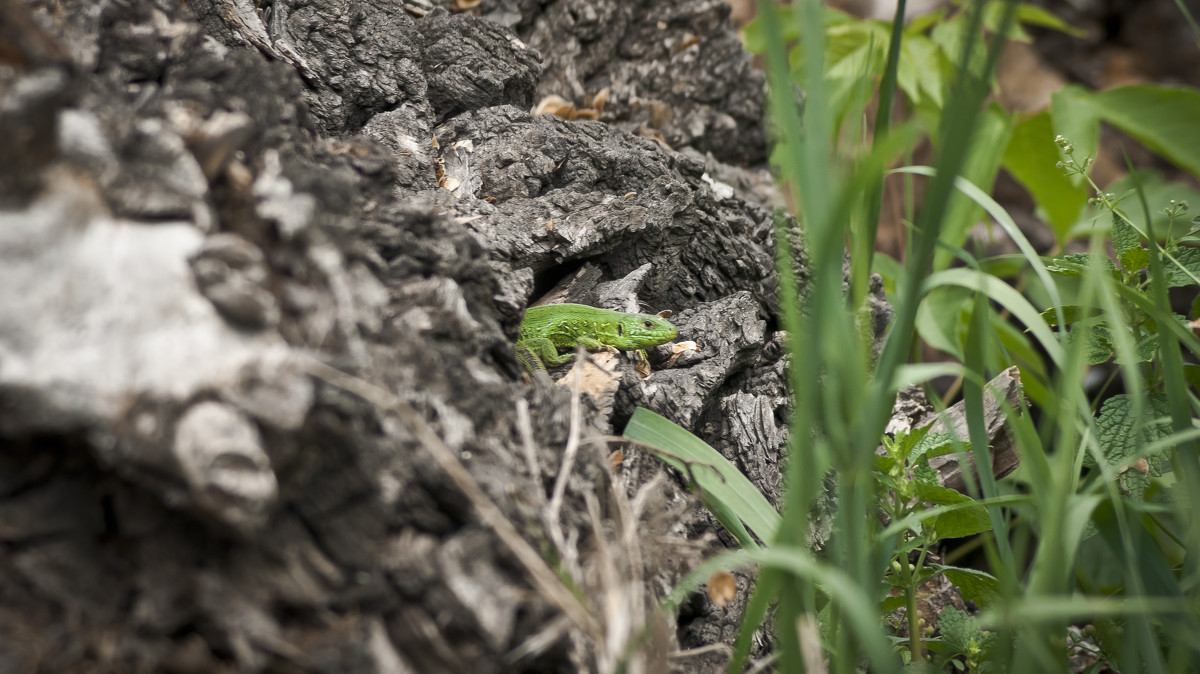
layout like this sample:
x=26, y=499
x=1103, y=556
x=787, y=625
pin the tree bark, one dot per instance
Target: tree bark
x=261, y=268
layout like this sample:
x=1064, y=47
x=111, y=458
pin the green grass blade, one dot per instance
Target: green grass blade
x=1002, y=218
x=977, y=344
x=718, y=479
x=956, y=135
x=887, y=93
x=1006, y=296
x=858, y=607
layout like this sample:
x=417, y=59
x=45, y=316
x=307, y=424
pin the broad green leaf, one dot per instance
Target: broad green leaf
x=942, y=317
x=1073, y=313
x=846, y=42
x=992, y=132
x=908, y=73
x=1074, y=117
x=1159, y=193
x=919, y=24
x=1144, y=349
x=720, y=480
x=891, y=604
x=1155, y=573
x=977, y=586
x=1162, y=118
x=926, y=59
x=1031, y=158
x=1007, y=297
x=969, y=520
x=1192, y=374
x=890, y=270
x=951, y=36
x=1034, y=15
x=993, y=13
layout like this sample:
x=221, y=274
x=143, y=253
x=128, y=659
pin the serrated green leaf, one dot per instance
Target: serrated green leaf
x=1098, y=349
x=1116, y=427
x=1158, y=193
x=1145, y=349
x=1185, y=269
x=1128, y=244
x=931, y=444
x=1073, y=264
x=959, y=629
x=923, y=473
x=1135, y=259
x=1134, y=481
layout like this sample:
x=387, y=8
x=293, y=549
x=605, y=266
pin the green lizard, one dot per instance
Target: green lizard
x=547, y=328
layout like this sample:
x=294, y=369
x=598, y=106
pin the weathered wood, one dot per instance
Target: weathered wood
x=205, y=197
x=1002, y=396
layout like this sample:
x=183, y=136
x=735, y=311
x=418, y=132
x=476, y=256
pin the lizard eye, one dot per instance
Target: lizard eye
x=648, y=324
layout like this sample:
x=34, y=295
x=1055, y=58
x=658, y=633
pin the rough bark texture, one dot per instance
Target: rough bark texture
x=208, y=209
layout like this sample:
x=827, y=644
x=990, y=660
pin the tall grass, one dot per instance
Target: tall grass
x=827, y=605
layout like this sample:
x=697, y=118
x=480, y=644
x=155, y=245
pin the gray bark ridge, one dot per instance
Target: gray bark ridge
x=261, y=268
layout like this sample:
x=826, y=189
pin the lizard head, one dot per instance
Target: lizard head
x=638, y=331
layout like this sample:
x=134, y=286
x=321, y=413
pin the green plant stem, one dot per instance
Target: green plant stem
x=865, y=245
x=914, y=619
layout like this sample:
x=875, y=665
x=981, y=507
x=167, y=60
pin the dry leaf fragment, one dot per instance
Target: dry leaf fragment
x=679, y=348
x=555, y=105
x=1141, y=465
x=722, y=588
x=598, y=101
x=616, y=459
x=642, y=367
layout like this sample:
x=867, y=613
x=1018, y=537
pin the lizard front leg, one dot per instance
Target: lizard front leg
x=538, y=352
x=593, y=344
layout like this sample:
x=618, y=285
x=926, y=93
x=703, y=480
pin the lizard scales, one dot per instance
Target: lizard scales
x=546, y=329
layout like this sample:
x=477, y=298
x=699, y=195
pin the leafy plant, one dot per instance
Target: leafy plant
x=1116, y=545
x=907, y=493
x=1128, y=426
